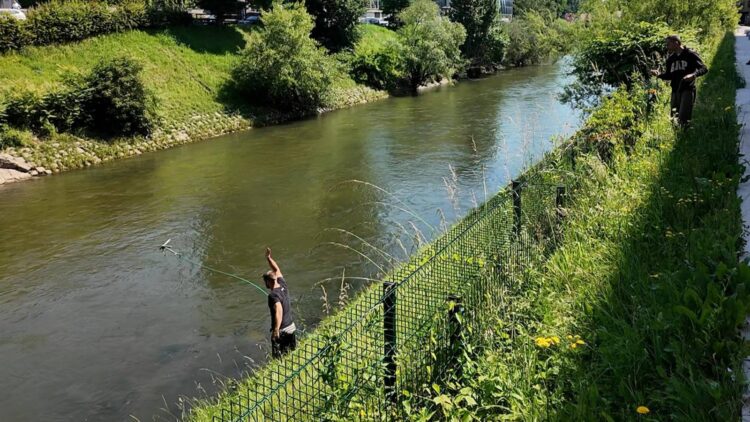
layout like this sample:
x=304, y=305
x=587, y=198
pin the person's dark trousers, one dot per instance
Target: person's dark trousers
x=285, y=344
x=682, y=105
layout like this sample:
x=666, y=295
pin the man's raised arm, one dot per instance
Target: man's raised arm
x=271, y=263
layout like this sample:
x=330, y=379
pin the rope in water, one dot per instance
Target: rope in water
x=166, y=248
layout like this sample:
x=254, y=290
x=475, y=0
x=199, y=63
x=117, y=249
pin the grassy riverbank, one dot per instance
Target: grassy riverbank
x=186, y=69
x=635, y=316
x=630, y=312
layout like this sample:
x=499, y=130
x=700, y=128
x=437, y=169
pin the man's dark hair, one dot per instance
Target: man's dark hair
x=267, y=277
x=675, y=38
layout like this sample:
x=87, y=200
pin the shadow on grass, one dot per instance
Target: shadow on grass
x=665, y=324
x=209, y=39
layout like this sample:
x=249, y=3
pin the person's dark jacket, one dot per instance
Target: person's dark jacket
x=680, y=65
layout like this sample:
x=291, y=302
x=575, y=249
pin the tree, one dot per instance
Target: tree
x=393, y=8
x=336, y=21
x=431, y=44
x=545, y=7
x=220, y=8
x=478, y=18
x=284, y=67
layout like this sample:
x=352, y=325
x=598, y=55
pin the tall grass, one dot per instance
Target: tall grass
x=635, y=315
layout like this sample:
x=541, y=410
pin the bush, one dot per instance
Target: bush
x=111, y=101
x=13, y=33
x=336, y=21
x=13, y=138
x=60, y=21
x=610, y=57
x=431, y=44
x=377, y=60
x=533, y=40
x=116, y=101
x=284, y=67
x=65, y=21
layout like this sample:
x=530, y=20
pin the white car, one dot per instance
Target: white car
x=16, y=13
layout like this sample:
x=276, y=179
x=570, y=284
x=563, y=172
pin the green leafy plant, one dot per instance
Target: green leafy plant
x=431, y=44
x=284, y=67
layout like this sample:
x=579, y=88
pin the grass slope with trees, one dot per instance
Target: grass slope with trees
x=194, y=82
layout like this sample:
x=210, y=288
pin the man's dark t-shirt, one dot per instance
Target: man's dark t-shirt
x=681, y=65
x=280, y=295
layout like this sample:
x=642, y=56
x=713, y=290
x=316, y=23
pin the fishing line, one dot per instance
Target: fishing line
x=166, y=248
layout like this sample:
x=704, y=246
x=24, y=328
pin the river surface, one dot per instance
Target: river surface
x=97, y=325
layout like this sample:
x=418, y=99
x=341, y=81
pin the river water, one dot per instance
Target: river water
x=97, y=325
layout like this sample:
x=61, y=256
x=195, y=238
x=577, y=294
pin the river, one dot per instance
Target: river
x=97, y=325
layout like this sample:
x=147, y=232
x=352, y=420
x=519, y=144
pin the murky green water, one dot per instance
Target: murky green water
x=97, y=325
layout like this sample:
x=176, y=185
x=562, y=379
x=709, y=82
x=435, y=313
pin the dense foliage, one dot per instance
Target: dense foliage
x=110, y=101
x=532, y=39
x=60, y=21
x=336, y=21
x=708, y=17
x=282, y=66
x=377, y=59
x=431, y=44
x=548, y=7
x=393, y=9
x=479, y=18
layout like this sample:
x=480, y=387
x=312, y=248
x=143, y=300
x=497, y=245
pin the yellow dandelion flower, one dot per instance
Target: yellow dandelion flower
x=643, y=410
x=574, y=346
x=569, y=337
x=581, y=342
x=542, y=342
x=555, y=339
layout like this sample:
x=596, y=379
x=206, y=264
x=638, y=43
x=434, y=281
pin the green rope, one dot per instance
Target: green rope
x=165, y=248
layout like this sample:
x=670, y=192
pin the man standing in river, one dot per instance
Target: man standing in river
x=683, y=66
x=283, y=339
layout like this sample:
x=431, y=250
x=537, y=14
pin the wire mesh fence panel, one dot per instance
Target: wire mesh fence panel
x=406, y=333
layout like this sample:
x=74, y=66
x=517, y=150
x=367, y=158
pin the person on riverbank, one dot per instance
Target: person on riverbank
x=683, y=67
x=283, y=339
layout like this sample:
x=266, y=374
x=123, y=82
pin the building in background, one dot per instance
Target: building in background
x=506, y=9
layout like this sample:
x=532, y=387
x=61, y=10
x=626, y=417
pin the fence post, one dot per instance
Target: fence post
x=560, y=203
x=455, y=316
x=516, y=187
x=389, y=335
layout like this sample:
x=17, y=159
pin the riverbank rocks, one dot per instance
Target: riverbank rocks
x=14, y=163
x=10, y=175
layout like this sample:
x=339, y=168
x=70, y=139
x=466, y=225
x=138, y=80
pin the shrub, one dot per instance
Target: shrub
x=64, y=21
x=116, y=101
x=612, y=57
x=60, y=21
x=532, y=40
x=478, y=17
x=110, y=101
x=377, y=60
x=336, y=21
x=13, y=138
x=431, y=44
x=284, y=67
x=13, y=33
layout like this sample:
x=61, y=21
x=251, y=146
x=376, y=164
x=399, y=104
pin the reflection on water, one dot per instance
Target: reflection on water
x=97, y=325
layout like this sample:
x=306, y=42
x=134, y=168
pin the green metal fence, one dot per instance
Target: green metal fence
x=410, y=330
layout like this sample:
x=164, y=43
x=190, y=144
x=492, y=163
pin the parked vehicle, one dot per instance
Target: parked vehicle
x=16, y=13
x=374, y=21
x=250, y=19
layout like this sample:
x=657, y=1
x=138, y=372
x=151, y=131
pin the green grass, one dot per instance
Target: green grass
x=183, y=66
x=647, y=274
x=186, y=69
